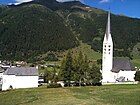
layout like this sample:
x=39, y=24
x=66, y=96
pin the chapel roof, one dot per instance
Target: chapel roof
x=22, y=71
x=123, y=64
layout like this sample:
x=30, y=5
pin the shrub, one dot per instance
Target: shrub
x=54, y=85
x=137, y=76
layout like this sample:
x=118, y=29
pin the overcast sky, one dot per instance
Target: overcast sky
x=129, y=8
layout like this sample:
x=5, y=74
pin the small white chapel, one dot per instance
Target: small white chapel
x=18, y=77
x=114, y=70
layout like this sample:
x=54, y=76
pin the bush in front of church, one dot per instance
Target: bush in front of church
x=137, y=76
x=54, y=85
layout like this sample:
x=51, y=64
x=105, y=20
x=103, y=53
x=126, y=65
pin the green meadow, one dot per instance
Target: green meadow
x=93, y=95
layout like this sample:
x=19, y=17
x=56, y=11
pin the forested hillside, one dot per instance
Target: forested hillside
x=33, y=29
x=37, y=27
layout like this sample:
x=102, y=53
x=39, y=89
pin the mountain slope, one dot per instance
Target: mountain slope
x=89, y=24
x=30, y=29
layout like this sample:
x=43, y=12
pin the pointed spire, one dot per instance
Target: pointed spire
x=108, y=25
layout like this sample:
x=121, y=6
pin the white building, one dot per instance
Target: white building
x=117, y=69
x=19, y=77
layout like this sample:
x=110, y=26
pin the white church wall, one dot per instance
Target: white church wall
x=129, y=75
x=107, y=76
x=7, y=81
x=113, y=76
x=26, y=81
x=19, y=81
x=107, y=59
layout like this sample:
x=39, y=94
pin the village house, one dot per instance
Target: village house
x=18, y=77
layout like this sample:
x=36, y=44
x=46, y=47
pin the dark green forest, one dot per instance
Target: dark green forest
x=30, y=29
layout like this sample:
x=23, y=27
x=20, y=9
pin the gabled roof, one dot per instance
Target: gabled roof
x=122, y=64
x=22, y=71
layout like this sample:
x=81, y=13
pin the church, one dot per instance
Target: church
x=114, y=70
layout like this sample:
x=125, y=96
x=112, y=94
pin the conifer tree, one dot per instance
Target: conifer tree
x=75, y=70
x=81, y=67
x=95, y=75
x=85, y=69
x=67, y=68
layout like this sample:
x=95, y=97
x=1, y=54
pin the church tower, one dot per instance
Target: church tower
x=107, y=58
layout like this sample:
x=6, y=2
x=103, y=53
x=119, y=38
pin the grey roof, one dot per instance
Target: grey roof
x=22, y=71
x=122, y=64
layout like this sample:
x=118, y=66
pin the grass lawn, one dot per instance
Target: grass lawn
x=102, y=95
